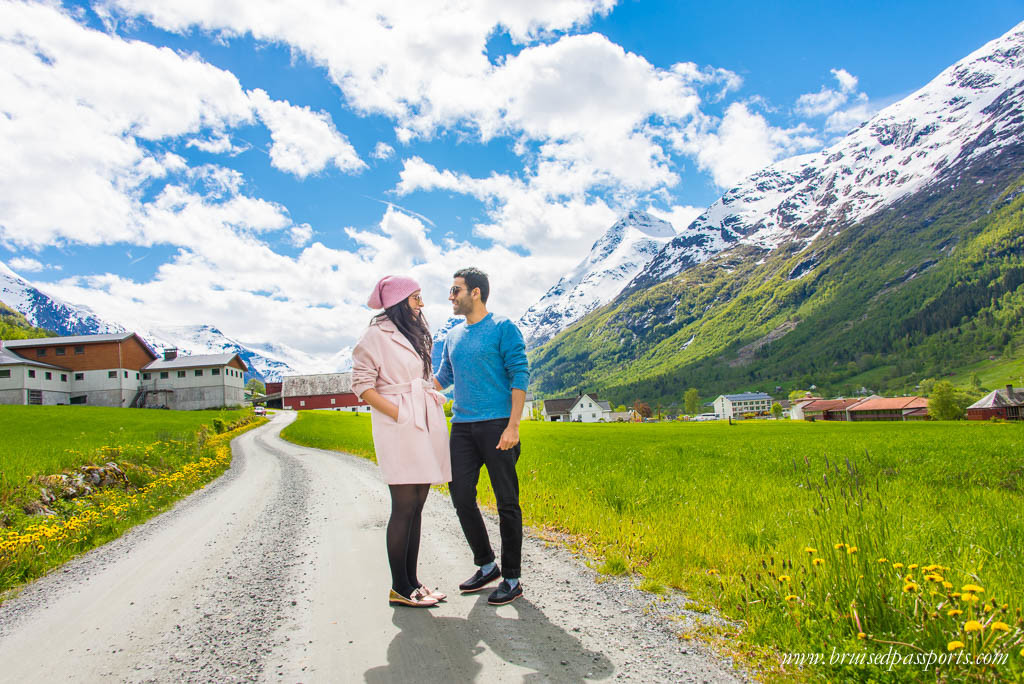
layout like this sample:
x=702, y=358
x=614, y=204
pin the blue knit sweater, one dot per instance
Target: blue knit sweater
x=486, y=360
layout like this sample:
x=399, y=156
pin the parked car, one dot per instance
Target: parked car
x=260, y=410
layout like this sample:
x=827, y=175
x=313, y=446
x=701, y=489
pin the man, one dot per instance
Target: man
x=486, y=359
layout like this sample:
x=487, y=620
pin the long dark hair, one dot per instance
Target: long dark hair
x=414, y=328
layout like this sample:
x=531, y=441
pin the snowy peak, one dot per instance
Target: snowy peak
x=972, y=111
x=65, y=318
x=614, y=259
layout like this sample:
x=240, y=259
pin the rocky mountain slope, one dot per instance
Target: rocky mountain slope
x=868, y=262
x=614, y=260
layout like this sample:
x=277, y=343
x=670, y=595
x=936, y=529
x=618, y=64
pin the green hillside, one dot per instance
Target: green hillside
x=14, y=326
x=932, y=286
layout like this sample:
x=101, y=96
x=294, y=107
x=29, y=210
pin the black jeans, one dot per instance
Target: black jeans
x=474, y=445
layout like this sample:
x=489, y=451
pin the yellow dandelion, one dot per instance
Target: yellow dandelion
x=792, y=597
x=909, y=587
x=972, y=588
x=956, y=594
x=947, y=585
x=954, y=645
x=988, y=608
x=973, y=626
x=883, y=560
x=851, y=549
x=819, y=561
x=861, y=635
x=970, y=598
x=953, y=612
x=912, y=566
x=999, y=626
x=784, y=578
x=840, y=545
x=808, y=549
x=897, y=565
x=712, y=571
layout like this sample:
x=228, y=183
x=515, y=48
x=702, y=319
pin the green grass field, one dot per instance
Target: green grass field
x=748, y=517
x=164, y=456
x=42, y=440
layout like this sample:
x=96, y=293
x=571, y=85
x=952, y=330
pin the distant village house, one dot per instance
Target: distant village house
x=1007, y=404
x=322, y=391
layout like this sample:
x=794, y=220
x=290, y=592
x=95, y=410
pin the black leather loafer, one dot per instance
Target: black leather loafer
x=505, y=594
x=479, y=580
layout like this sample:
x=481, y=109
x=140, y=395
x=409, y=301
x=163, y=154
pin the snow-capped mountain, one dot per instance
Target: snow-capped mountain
x=966, y=114
x=65, y=318
x=49, y=312
x=617, y=256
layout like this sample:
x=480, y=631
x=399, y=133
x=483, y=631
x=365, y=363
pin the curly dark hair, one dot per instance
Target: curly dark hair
x=415, y=329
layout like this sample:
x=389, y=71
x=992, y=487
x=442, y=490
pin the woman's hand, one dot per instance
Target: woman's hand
x=377, y=401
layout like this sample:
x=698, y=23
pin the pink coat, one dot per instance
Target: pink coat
x=413, y=449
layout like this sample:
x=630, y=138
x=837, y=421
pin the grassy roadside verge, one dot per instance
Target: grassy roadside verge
x=870, y=539
x=151, y=477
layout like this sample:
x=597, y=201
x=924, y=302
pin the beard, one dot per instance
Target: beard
x=461, y=307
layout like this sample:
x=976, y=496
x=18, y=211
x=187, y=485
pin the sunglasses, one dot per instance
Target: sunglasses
x=455, y=290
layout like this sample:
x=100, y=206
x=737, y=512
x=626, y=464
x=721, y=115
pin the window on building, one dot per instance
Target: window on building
x=215, y=371
x=126, y=374
x=302, y=402
x=63, y=377
x=79, y=376
x=332, y=402
x=59, y=351
x=111, y=374
x=5, y=373
x=136, y=376
x=40, y=352
x=49, y=375
x=31, y=373
x=163, y=375
x=80, y=349
x=181, y=374
x=199, y=372
x=145, y=376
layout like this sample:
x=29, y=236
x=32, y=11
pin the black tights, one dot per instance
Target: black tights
x=403, y=535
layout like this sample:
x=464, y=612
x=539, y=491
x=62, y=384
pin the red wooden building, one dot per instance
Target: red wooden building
x=324, y=391
x=1007, y=404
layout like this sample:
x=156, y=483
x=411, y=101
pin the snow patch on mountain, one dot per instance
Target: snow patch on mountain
x=614, y=259
x=970, y=110
x=65, y=318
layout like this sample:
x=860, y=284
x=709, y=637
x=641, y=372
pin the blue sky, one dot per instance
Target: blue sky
x=257, y=167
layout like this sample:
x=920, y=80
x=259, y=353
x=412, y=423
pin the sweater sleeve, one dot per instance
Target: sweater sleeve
x=513, y=355
x=444, y=372
x=365, y=365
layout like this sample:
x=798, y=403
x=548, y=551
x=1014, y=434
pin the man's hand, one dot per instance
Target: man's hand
x=509, y=438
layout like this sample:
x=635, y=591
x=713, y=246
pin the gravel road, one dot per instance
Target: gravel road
x=277, y=572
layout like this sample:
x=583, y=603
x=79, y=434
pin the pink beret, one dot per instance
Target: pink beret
x=390, y=290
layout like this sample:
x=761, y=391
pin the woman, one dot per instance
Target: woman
x=391, y=372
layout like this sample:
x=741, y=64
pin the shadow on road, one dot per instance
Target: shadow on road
x=432, y=648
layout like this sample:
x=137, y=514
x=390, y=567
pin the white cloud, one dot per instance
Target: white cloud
x=25, y=264
x=827, y=100
x=741, y=143
x=217, y=144
x=847, y=119
x=679, y=216
x=80, y=108
x=383, y=151
x=304, y=141
x=300, y=235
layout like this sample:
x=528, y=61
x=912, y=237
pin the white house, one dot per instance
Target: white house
x=735, y=405
x=528, y=407
x=24, y=381
x=193, y=382
x=588, y=409
x=99, y=370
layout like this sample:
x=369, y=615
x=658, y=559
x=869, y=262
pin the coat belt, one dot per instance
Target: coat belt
x=418, y=391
